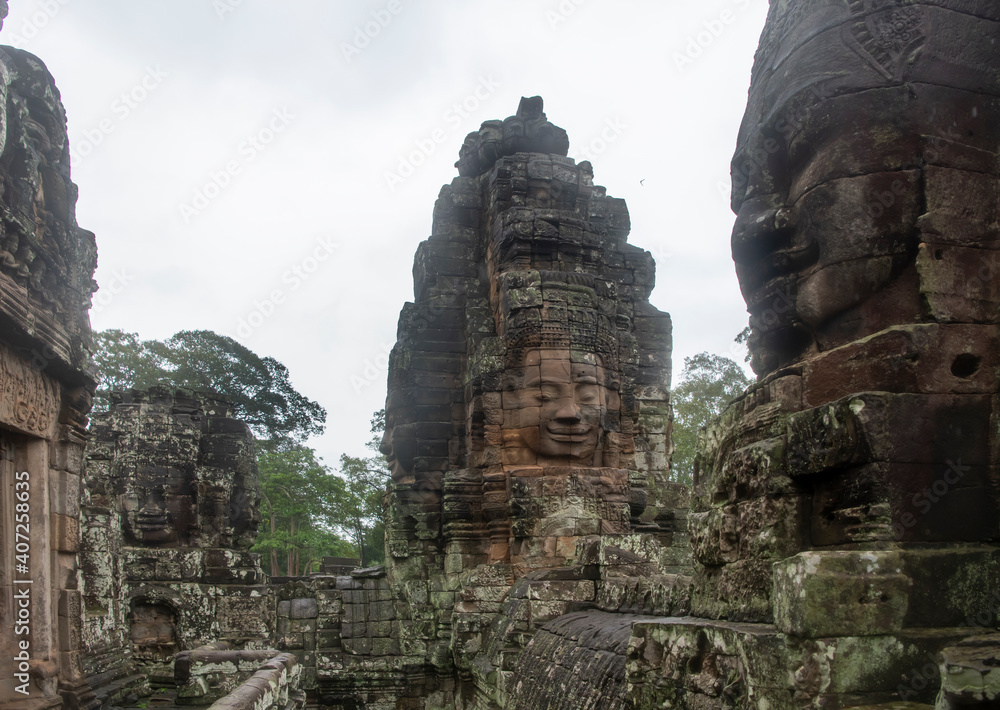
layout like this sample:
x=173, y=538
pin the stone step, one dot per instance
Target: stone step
x=115, y=690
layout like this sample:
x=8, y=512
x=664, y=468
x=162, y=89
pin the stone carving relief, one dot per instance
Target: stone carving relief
x=29, y=401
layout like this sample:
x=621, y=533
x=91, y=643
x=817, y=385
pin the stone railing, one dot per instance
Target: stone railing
x=229, y=679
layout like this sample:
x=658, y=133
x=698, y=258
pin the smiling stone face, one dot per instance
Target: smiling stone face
x=158, y=506
x=555, y=409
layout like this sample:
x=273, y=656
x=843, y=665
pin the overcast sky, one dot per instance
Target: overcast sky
x=266, y=170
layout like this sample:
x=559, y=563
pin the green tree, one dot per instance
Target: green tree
x=365, y=480
x=743, y=338
x=708, y=383
x=258, y=387
x=302, y=507
x=122, y=361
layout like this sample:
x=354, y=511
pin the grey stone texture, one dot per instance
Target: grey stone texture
x=46, y=280
x=170, y=510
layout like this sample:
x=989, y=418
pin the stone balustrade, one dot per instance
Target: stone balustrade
x=230, y=679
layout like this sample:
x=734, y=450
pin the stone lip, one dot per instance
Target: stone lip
x=369, y=572
x=528, y=131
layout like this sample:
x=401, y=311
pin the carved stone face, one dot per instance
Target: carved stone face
x=158, y=506
x=553, y=415
x=839, y=167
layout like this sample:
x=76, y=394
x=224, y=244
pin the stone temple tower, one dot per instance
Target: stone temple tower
x=528, y=404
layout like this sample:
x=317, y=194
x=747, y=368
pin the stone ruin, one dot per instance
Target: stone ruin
x=170, y=509
x=46, y=268
x=528, y=417
x=839, y=547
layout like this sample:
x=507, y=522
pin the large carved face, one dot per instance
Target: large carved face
x=553, y=413
x=158, y=506
x=852, y=135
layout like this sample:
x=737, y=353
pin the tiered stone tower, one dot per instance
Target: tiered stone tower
x=528, y=410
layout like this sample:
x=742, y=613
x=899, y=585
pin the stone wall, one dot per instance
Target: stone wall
x=170, y=510
x=46, y=281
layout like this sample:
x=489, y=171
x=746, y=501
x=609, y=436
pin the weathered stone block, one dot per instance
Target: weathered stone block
x=970, y=673
x=303, y=609
x=841, y=593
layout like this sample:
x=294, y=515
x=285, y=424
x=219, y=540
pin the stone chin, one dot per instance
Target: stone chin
x=577, y=443
x=840, y=287
x=151, y=530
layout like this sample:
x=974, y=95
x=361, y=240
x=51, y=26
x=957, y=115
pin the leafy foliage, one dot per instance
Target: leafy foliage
x=743, y=338
x=308, y=510
x=301, y=506
x=708, y=383
x=258, y=387
x=123, y=361
x=366, y=479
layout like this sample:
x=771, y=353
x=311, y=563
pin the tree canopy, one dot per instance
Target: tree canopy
x=366, y=479
x=301, y=503
x=309, y=511
x=258, y=387
x=708, y=383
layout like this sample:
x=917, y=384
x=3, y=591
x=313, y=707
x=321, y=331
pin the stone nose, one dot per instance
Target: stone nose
x=154, y=504
x=568, y=409
x=762, y=227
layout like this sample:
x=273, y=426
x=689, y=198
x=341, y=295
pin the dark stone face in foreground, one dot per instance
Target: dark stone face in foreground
x=851, y=497
x=865, y=177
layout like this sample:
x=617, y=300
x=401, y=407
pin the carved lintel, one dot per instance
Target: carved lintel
x=29, y=401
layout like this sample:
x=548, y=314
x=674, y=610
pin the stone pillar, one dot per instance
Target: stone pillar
x=46, y=268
